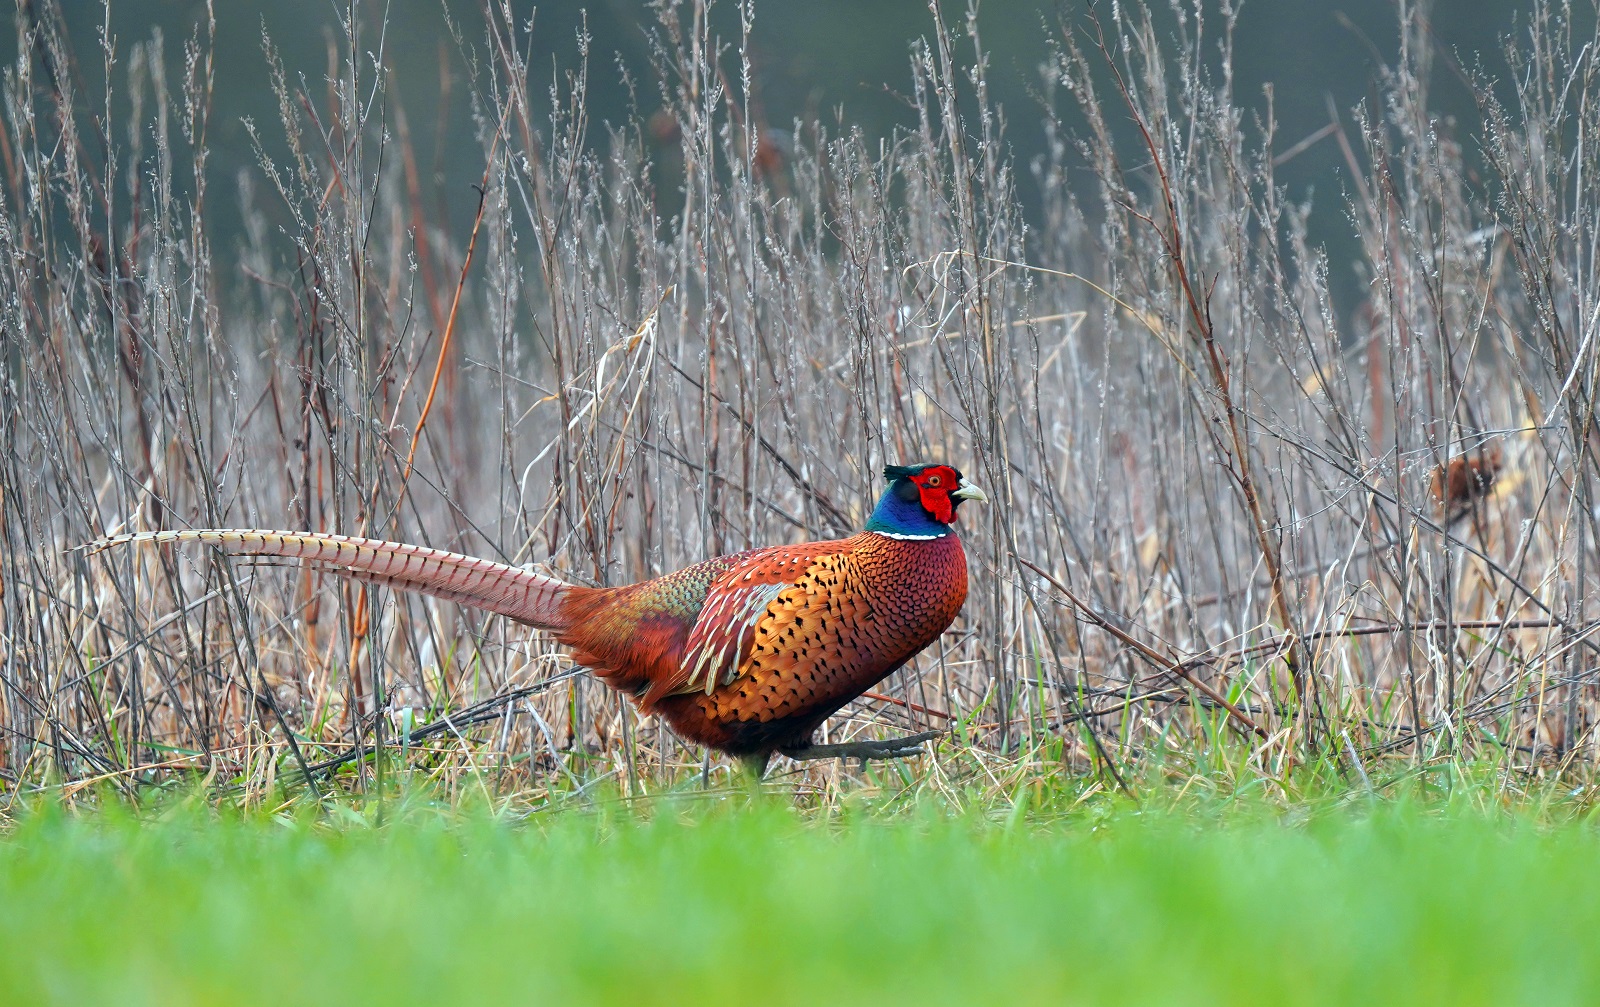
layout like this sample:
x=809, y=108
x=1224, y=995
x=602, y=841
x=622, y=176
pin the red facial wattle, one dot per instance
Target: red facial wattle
x=935, y=484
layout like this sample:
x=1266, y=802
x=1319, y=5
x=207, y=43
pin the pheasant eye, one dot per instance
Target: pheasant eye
x=933, y=480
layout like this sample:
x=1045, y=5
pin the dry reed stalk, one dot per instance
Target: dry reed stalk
x=1228, y=478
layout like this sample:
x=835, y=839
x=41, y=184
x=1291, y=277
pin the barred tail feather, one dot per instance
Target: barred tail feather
x=528, y=597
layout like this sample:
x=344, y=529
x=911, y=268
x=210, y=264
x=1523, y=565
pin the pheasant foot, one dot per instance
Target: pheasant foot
x=892, y=748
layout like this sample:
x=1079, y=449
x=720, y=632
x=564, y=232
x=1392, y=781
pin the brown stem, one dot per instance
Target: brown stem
x=1199, y=310
x=1163, y=661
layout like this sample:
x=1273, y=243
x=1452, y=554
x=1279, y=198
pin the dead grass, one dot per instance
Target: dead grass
x=1217, y=552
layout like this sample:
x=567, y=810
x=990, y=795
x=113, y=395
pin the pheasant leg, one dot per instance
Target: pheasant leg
x=892, y=748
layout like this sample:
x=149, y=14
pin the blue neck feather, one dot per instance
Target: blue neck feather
x=895, y=515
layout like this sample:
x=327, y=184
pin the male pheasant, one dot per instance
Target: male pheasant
x=747, y=653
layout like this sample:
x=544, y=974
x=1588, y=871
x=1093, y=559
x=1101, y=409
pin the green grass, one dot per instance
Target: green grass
x=752, y=906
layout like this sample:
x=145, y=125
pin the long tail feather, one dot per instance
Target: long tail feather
x=532, y=598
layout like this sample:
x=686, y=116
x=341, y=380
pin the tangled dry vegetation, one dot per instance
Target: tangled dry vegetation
x=1237, y=535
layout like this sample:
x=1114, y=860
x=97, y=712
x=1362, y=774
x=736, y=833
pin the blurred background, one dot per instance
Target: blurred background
x=841, y=63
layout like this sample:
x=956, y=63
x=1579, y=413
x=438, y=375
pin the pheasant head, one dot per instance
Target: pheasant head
x=921, y=501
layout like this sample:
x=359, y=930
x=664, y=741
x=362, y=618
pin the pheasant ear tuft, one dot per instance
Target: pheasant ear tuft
x=893, y=472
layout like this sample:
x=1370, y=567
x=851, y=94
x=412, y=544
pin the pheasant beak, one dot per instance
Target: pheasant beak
x=967, y=491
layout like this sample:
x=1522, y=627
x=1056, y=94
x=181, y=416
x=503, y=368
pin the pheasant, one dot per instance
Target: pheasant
x=746, y=653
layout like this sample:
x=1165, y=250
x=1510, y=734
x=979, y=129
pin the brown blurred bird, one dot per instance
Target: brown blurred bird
x=1461, y=482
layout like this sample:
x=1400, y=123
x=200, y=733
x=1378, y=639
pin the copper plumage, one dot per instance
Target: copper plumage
x=746, y=653
x=1460, y=483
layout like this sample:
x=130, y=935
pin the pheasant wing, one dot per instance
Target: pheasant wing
x=736, y=602
x=812, y=648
